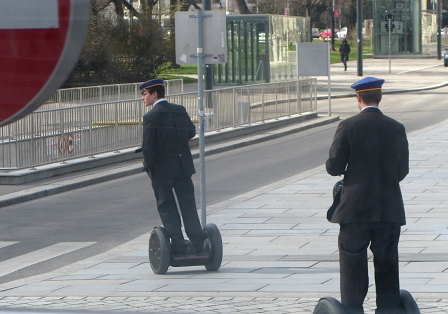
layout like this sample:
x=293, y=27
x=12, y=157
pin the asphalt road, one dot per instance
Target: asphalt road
x=97, y=218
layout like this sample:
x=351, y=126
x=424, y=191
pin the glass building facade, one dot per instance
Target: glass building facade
x=413, y=31
x=261, y=48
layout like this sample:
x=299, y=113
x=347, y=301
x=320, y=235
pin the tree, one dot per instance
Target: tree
x=310, y=8
x=350, y=17
x=270, y=7
x=148, y=6
x=242, y=6
x=142, y=52
x=119, y=52
x=121, y=4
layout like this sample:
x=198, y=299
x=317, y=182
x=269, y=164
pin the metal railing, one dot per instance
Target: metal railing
x=59, y=134
x=68, y=97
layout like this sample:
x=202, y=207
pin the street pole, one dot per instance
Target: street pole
x=333, y=48
x=439, y=27
x=200, y=55
x=208, y=67
x=208, y=85
x=359, y=21
x=389, y=28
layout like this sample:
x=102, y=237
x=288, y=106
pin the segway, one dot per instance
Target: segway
x=329, y=305
x=407, y=303
x=161, y=257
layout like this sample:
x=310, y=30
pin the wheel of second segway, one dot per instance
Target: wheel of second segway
x=159, y=251
x=407, y=303
x=329, y=305
x=215, y=258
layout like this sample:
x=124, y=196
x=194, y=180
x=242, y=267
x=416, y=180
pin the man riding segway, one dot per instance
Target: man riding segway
x=167, y=159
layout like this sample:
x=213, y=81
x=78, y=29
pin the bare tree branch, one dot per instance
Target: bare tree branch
x=130, y=8
x=242, y=7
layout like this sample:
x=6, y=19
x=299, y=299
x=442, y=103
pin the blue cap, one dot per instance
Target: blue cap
x=367, y=84
x=151, y=83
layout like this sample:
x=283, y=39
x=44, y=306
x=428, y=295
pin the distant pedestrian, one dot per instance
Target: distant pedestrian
x=167, y=159
x=371, y=151
x=344, y=51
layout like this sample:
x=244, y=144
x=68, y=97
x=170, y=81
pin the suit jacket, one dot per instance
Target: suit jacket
x=372, y=152
x=167, y=128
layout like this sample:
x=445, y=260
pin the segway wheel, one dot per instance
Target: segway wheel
x=215, y=242
x=159, y=251
x=407, y=303
x=329, y=305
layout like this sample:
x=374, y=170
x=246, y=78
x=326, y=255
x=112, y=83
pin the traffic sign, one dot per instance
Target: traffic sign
x=390, y=17
x=336, y=12
x=215, y=37
x=390, y=26
x=40, y=42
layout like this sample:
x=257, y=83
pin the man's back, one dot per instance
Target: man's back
x=167, y=130
x=371, y=150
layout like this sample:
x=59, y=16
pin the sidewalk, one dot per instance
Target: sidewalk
x=280, y=253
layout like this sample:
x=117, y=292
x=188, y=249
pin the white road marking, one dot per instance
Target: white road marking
x=5, y=244
x=25, y=260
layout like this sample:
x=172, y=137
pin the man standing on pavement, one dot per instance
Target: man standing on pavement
x=371, y=151
x=167, y=159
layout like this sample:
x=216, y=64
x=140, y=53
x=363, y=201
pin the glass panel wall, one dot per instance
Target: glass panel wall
x=261, y=48
x=406, y=27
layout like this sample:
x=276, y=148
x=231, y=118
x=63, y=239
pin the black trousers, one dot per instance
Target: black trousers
x=354, y=239
x=165, y=189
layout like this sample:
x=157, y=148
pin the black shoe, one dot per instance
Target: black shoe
x=179, y=247
x=205, y=249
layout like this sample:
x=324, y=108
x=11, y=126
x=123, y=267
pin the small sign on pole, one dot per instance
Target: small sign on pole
x=313, y=59
x=215, y=37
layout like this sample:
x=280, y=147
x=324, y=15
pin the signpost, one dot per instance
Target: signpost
x=390, y=18
x=40, y=42
x=208, y=46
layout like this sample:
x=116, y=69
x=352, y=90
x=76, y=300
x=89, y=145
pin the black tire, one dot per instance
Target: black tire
x=216, y=251
x=407, y=303
x=329, y=305
x=159, y=251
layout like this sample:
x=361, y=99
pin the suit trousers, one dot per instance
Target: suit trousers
x=166, y=189
x=353, y=241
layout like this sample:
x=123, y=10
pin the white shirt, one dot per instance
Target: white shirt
x=161, y=99
x=370, y=107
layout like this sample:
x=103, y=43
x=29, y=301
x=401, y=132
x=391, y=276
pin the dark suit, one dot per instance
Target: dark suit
x=167, y=128
x=371, y=150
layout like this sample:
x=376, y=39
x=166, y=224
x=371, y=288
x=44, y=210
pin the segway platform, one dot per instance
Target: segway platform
x=161, y=258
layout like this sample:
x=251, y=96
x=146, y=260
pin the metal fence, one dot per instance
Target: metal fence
x=105, y=93
x=59, y=134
